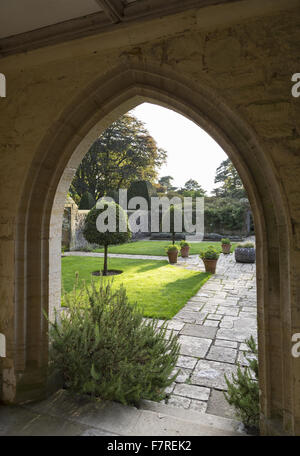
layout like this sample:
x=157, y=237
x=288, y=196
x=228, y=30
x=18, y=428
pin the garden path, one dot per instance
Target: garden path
x=212, y=328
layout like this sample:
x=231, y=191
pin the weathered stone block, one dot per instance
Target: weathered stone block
x=211, y=374
x=192, y=392
x=193, y=346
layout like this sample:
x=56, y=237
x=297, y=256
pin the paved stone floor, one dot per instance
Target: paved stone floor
x=212, y=328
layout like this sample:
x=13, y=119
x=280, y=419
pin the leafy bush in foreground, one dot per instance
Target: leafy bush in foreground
x=107, y=350
x=243, y=391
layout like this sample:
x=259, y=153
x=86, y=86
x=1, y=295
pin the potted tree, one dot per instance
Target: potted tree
x=105, y=238
x=210, y=257
x=226, y=246
x=245, y=253
x=172, y=251
x=184, y=249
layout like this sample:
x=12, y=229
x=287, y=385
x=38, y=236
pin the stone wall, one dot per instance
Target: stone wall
x=72, y=228
x=228, y=68
x=73, y=223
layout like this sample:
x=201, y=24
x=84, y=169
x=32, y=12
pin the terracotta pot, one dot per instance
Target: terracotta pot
x=173, y=256
x=185, y=251
x=226, y=248
x=210, y=265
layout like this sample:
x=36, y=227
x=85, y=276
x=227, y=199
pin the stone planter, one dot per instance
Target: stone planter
x=210, y=265
x=173, y=255
x=244, y=255
x=185, y=251
x=226, y=248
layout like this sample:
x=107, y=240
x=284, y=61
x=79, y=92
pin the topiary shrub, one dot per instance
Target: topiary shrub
x=87, y=201
x=106, y=348
x=243, y=391
x=142, y=188
x=94, y=236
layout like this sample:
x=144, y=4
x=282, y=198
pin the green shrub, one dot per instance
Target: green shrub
x=243, y=391
x=184, y=244
x=87, y=201
x=85, y=249
x=94, y=236
x=64, y=248
x=172, y=248
x=166, y=236
x=224, y=214
x=142, y=188
x=106, y=349
x=247, y=245
x=225, y=241
x=171, y=194
x=210, y=253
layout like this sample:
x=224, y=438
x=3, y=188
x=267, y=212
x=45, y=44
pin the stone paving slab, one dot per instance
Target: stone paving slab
x=226, y=343
x=211, y=374
x=218, y=405
x=198, y=331
x=194, y=346
x=212, y=329
x=215, y=324
x=222, y=354
x=64, y=414
x=192, y=392
x=186, y=361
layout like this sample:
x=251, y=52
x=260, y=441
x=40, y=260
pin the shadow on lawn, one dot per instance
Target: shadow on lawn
x=189, y=283
x=156, y=265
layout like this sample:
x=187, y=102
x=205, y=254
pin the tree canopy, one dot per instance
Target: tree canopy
x=125, y=152
x=192, y=188
x=87, y=201
x=231, y=184
x=165, y=181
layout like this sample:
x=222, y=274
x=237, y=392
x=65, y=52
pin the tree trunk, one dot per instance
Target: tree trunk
x=173, y=238
x=105, y=260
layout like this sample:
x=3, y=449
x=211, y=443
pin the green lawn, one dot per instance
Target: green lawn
x=158, y=288
x=157, y=248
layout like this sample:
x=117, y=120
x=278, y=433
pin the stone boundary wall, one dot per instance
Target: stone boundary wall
x=73, y=223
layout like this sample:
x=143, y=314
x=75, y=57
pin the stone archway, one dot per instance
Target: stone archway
x=39, y=223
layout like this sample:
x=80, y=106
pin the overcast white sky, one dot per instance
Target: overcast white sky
x=192, y=153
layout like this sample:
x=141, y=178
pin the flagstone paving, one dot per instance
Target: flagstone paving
x=212, y=328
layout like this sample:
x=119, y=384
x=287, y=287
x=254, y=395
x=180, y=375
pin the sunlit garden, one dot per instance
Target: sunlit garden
x=159, y=289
